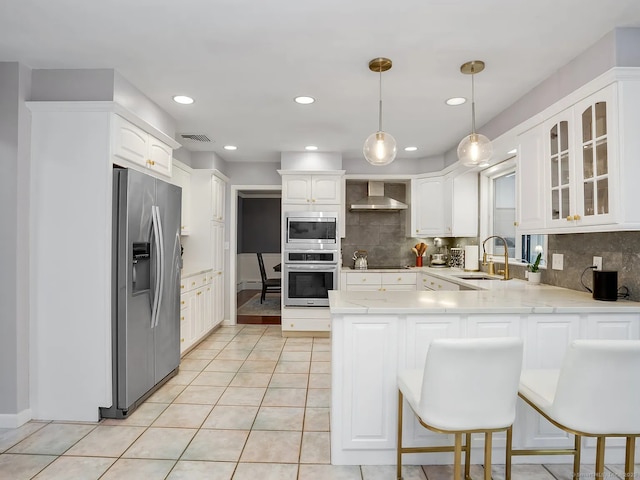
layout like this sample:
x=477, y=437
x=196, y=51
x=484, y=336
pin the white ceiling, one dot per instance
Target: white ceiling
x=244, y=61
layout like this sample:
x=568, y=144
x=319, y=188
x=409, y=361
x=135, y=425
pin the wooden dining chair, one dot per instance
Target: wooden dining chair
x=268, y=284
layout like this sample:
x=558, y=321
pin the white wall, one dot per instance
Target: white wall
x=15, y=83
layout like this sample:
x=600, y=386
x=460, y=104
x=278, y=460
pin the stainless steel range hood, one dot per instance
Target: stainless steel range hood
x=376, y=200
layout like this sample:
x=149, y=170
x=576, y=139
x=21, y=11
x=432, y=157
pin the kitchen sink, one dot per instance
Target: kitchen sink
x=476, y=277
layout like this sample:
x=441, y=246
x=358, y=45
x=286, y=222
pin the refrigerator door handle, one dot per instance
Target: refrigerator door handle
x=162, y=266
x=158, y=272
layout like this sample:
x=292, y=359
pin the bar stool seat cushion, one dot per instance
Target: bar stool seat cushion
x=540, y=387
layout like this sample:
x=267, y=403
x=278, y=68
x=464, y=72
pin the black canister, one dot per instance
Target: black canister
x=605, y=285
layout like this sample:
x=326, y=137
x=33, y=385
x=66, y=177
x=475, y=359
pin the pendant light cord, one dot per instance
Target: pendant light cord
x=380, y=104
x=473, y=106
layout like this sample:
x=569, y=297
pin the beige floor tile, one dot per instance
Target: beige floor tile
x=233, y=354
x=326, y=472
x=242, y=396
x=53, y=439
x=161, y=443
x=230, y=417
x=213, y=344
x=273, y=330
x=214, y=379
x=270, y=343
x=200, y=394
x=106, y=441
x=445, y=472
x=76, y=468
x=321, y=356
x=285, y=397
x=184, y=377
x=617, y=470
x=316, y=448
x=197, y=470
x=216, y=445
x=224, y=366
x=166, y=394
x=319, y=380
x=295, y=356
x=247, y=337
x=137, y=469
x=272, y=447
x=320, y=367
x=258, y=366
x=143, y=416
x=386, y=472
x=316, y=419
x=292, y=367
x=246, y=379
x=266, y=471
x=321, y=345
x=23, y=467
x=289, y=380
x=319, y=397
x=183, y=416
x=279, y=418
x=193, y=364
x=518, y=472
x=10, y=436
x=218, y=336
x=264, y=355
x=565, y=471
x=298, y=347
x=300, y=341
x=203, y=354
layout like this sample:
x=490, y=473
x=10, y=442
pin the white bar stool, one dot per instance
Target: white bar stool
x=596, y=393
x=467, y=386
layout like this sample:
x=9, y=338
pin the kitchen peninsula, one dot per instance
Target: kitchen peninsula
x=375, y=334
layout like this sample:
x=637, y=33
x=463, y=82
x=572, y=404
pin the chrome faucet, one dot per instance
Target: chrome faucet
x=506, y=256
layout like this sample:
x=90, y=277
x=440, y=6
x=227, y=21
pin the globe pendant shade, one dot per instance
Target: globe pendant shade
x=475, y=150
x=380, y=149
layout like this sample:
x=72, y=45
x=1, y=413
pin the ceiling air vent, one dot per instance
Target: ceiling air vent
x=195, y=137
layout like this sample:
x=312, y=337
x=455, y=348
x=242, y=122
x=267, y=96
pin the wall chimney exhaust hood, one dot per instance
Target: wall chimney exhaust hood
x=376, y=200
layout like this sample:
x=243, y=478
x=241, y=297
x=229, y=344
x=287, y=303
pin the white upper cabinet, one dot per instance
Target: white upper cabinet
x=444, y=206
x=218, y=190
x=427, y=209
x=311, y=189
x=181, y=176
x=140, y=148
x=577, y=171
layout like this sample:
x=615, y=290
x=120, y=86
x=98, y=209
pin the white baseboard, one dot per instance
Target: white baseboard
x=15, y=420
x=250, y=285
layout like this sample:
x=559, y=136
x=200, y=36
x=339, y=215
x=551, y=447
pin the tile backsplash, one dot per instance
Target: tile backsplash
x=383, y=233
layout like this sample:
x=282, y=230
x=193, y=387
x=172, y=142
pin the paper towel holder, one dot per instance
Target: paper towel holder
x=471, y=254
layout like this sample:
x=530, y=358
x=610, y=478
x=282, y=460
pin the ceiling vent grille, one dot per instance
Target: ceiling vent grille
x=196, y=137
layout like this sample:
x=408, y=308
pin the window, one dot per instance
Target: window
x=498, y=217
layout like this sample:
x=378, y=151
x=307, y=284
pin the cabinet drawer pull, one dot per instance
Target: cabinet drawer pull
x=151, y=162
x=182, y=302
x=181, y=318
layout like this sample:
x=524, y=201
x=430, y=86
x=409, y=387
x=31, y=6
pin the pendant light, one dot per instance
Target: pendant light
x=475, y=149
x=380, y=147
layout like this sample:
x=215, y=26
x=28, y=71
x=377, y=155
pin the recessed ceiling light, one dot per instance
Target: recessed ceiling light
x=456, y=101
x=512, y=152
x=303, y=100
x=311, y=148
x=230, y=147
x=183, y=99
x=410, y=149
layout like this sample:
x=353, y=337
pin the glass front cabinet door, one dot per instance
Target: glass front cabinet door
x=580, y=159
x=596, y=158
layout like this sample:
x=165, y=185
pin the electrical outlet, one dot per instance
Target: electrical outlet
x=557, y=261
x=597, y=262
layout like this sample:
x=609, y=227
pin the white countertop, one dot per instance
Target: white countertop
x=496, y=296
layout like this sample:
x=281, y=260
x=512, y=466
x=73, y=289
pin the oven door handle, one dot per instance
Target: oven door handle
x=298, y=266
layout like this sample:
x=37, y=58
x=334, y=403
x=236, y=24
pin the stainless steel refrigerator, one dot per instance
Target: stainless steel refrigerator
x=146, y=287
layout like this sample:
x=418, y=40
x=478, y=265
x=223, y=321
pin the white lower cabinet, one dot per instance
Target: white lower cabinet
x=306, y=320
x=379, y=281
x=196, y=309
x=429, y=282
x=368, y=351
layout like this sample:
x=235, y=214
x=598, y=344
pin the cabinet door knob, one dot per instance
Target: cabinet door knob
x=576, y=217
x=199, y=293
x=182, y=302
x=515, y=224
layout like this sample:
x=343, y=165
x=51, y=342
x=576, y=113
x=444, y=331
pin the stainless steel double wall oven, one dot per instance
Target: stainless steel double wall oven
x=310, y=267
